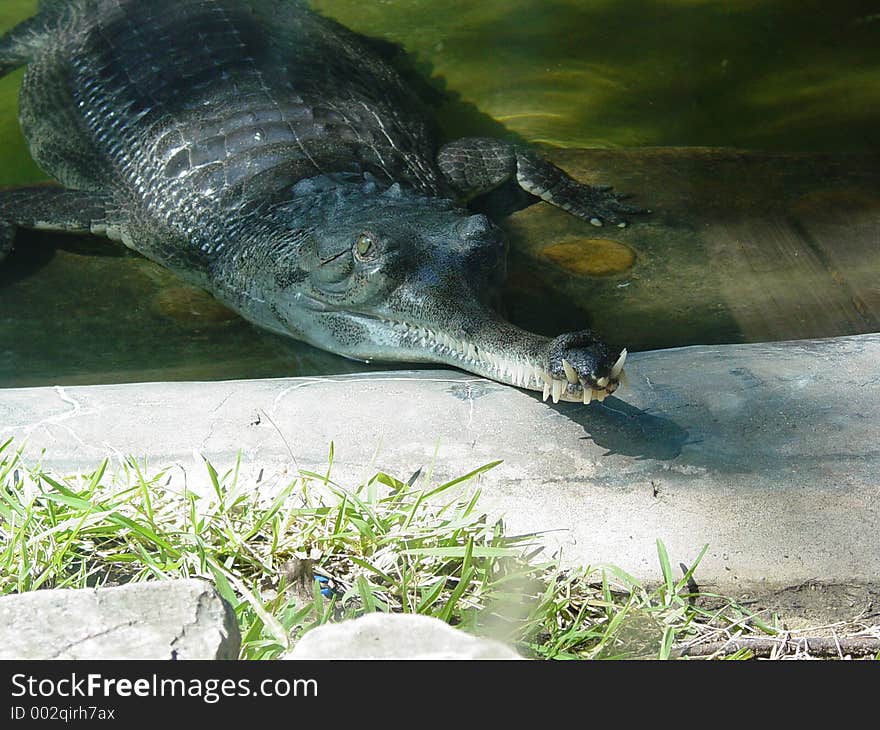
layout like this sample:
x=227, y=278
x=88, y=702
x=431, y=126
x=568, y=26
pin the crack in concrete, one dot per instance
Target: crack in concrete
x=184, y=630
x=59, y=419
x=91, y=637
x=223, y=402
x=62, y=394
x=76, y=410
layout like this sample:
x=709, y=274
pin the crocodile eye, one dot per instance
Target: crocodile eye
x=364, y=245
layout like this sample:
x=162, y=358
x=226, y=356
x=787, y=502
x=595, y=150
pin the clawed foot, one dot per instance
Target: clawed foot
x=600, y=205
x=583, y=368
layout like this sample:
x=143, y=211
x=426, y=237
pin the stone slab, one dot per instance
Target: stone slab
x=767, y=452
x=181, y=619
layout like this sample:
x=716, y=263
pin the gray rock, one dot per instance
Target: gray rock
x=396, y=636
x=766, y=452
x=180, y=619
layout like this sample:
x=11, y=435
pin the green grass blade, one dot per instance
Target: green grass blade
x=367, y=597
x=685, y=579
x=666, y=642
x=430, y=598
x=666, y=568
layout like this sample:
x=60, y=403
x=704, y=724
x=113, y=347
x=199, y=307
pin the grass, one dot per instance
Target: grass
x=382, y=545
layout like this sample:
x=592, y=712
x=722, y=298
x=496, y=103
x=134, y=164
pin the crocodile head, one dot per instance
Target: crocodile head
x=389, y=275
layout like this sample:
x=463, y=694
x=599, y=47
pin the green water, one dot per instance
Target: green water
x=777, y=76
x=760, y=74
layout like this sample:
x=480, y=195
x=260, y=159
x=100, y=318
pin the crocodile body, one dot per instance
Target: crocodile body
x=274, y=158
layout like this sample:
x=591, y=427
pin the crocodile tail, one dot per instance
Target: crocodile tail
x=18, y=46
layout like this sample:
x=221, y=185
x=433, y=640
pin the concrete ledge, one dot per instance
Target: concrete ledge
x=768, y=452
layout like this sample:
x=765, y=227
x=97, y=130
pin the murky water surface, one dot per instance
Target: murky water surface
x=777, y=243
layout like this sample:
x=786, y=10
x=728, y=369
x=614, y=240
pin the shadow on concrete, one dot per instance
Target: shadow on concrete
x=622, y=429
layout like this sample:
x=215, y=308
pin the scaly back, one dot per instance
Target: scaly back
x=182, y=106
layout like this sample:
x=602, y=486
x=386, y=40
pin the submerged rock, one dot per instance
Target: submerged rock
x=191, y=307
x=591, y=256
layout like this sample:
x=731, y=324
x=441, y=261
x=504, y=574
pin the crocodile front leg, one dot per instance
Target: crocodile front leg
x=476, y=165
x=577, y=366
x=49, y=208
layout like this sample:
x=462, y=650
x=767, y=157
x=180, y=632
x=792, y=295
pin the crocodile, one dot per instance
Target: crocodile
x=281, y=162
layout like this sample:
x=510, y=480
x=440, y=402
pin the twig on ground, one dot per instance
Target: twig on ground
x=775, y=647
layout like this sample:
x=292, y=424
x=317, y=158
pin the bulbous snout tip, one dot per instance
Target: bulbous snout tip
x=476, y=228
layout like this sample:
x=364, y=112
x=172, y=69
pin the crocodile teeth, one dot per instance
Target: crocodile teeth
x=618, y=366
x=546, y=391
x=588, y=396
x=622, y=378
x=601, y=395
x=602, y=382
x=570, y=372
x=558, y=387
